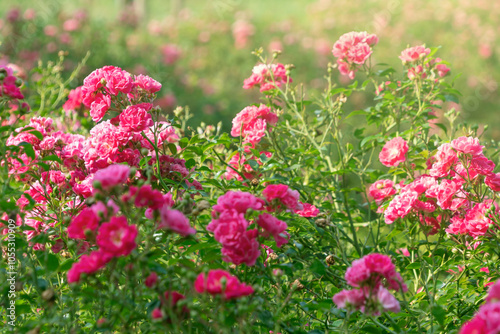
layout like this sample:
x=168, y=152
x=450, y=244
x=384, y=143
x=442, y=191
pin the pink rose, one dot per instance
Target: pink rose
x=220, y=282
x=176, y=221
x=394, y=152
x=112, y=176
x=117, y=237
x=136, y=118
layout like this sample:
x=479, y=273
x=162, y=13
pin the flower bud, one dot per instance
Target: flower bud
x=48, y=295
x=298, y=286
x=330, y=260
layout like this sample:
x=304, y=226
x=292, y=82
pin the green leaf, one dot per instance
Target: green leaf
x=52, y=157
x=52, y=262
x=439, y=313
x=254, y=164
x=451, y=98
x=190, y=163
x=28, y=149
x=172, y=148
x=184, y=142
x=414, y=265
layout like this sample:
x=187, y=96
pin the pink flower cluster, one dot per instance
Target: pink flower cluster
x=73, y=164
x=114, y=238
x=251, y=124
x=232, y=221
x=9, y=84
x=417, y=69
x=220, y=282
x=353, y=50
x=103, y=86
x=268, y=77
x=487, y=319
x=372, y=276
x=456, y=174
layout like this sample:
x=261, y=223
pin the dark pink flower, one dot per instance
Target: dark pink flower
x=151, y=280
x=308, y=210
x=220, y=282
x=86, y=220
x=117, y=237
x=88, y=264
x=136, y=118
x=275, y=227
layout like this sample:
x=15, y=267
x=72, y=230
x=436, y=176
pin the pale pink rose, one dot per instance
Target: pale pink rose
x=112, y=176
x=175, y=220
x=467, y=145
x=387, y=300
x=394, y=152
x=414, y=53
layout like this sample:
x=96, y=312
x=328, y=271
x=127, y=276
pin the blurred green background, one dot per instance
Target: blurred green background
x=201, y=50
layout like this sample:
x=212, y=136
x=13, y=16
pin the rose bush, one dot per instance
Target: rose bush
x=289, y=223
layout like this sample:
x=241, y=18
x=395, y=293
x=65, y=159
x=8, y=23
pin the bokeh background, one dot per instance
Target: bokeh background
x=201, y=50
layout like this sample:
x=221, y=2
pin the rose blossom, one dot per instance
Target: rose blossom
x=112, y=176
x=220, y=282
x=394, y=152
x=117, y=237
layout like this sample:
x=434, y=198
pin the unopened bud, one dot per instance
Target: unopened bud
x=178, y=111
x=298, y=286
x=330, y=260
x=48, y=295
x=321, y=222
x=202, y=205
x=35, y=330
x=277, y=272
x=273, y=256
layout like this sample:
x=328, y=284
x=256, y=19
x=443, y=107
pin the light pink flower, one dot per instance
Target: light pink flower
x=467, y=145
x=394, y=152
x=176, y=221
x=387, y=300
x=414, y=53
x=112, y=176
